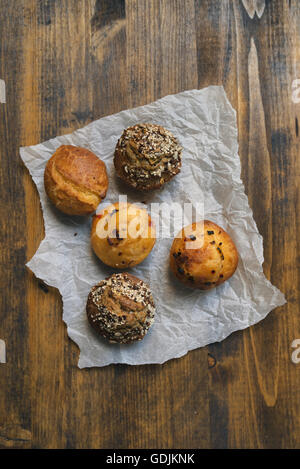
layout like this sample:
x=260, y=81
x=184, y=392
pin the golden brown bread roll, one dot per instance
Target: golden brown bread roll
x=75, y=180
x=122, y=235
x=203, y=255
x=147, y=156
x=121, y=308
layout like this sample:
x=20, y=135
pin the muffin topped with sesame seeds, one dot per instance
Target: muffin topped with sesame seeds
x=122, y=235
x=147, y=156
x=121, y=308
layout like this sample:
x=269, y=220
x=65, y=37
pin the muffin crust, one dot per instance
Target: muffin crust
x=122, y=235
x=75, y=180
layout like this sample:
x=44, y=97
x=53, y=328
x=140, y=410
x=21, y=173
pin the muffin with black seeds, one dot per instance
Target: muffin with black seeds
x=147, y=156
x=121, y=308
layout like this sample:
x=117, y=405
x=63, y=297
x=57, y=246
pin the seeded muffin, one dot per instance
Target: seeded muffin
x=147, y=156
x=75, y=180
x=203, y=255
x=121, y=308
x=122, y=235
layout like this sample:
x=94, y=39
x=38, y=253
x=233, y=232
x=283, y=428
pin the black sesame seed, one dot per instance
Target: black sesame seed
x=180, y=270
x=213, y=271
x=192, y=237
x=210, y=232
x=212, y=242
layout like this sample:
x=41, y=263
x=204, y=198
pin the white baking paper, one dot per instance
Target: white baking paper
x=205, y=124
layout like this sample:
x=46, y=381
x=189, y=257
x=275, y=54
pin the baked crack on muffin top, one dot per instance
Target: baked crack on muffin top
x=121, y=308
x=210, y=262
x=147, y=156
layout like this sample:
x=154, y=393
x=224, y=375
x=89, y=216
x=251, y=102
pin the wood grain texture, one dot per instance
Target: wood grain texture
x=68, y=62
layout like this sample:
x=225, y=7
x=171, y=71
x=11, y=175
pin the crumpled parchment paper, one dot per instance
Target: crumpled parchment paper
x=205, y=124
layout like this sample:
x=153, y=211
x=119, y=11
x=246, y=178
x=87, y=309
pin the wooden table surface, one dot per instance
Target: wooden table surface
x=68, y=62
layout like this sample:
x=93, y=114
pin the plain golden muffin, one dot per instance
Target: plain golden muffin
x=122, y=235
x=75, y=180
x=121, y=308
x=147, y=156
x=203, y=255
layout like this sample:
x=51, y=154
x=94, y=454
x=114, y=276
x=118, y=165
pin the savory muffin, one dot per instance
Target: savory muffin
x=121, y=308
x=75, y=180
x=122, y=235
x=147, y=156
x=203, y=255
